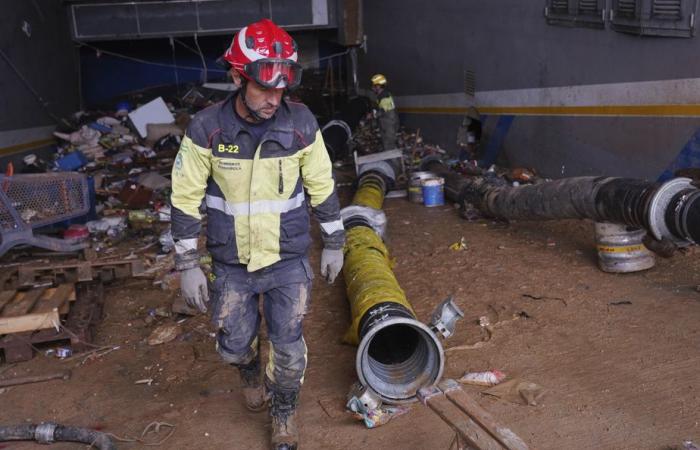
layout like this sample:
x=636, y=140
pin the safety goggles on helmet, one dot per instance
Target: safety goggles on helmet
x=275, y=73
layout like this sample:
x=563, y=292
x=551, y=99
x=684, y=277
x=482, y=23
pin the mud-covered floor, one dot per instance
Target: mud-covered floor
x=619, y=355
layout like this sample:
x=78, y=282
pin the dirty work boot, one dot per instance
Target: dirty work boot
x=283, y=411
x=251, y=383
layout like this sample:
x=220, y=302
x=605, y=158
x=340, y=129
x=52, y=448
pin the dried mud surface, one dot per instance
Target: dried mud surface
x=619, y=355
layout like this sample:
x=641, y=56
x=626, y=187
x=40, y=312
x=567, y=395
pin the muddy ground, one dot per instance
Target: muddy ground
x=618, y=355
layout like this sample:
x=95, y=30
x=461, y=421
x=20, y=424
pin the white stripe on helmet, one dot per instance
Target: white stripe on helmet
x=248, y=52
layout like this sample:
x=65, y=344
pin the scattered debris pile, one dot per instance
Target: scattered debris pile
x=104, y=215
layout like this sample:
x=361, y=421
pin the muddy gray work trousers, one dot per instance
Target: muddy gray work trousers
x=389, y=126
x=235, y=296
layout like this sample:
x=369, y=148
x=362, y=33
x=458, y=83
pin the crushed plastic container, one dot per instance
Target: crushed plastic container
x=72, y=161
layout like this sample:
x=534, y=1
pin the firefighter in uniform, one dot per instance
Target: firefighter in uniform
x=256, y=160
x=386, y=112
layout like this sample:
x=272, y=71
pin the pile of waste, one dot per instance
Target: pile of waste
x=126, y=155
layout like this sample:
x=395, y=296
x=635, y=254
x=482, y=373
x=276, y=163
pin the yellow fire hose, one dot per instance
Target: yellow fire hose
x=369, y=279
x=397, y=355
x=370, y=194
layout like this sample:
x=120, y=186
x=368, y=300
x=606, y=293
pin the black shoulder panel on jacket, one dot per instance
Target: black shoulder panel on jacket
x=304, y=122
x=204, y=124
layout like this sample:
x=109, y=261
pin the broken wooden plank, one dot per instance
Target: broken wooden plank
x=84, y=314
x=58, y=297
x=5, y=297
x=469, y=431
x=22, y=304
x=29, y=322
x=469, y=406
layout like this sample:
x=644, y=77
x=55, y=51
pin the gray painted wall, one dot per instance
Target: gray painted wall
x=425, y=47
x=46, y=58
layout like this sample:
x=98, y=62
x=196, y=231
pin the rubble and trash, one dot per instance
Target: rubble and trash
x=126, y=157
x=459, y=245
x=153, y=112
x=63, y=352
x=488, y=378
x=375, y=417
x=164, y=333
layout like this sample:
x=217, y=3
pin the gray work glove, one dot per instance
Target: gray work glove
x=331, y=263
x=193, y=284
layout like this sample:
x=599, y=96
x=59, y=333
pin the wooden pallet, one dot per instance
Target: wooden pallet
x=76, y=330
x=77, y=271
x=28, y=275
x=34, y=309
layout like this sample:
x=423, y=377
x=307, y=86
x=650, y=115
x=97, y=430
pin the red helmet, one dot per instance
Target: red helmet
x=265, y=53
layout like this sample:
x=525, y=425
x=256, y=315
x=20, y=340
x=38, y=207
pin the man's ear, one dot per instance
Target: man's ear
x=236, y=77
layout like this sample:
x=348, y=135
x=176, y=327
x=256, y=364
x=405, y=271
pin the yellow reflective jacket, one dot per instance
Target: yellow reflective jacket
x=255, y=195
x=385, y=101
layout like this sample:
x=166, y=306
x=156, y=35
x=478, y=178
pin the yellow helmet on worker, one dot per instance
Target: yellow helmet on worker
x=378, y=80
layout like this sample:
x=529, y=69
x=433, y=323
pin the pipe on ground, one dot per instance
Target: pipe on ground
x=397, y=354
x=48, y=433
x=336, y=135
x=669, y=211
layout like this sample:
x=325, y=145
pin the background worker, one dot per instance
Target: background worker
x=252, y=158
x=386, y=112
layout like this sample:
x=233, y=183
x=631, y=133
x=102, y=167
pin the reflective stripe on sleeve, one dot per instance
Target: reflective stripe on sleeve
x=332, y=227
x=185, y=245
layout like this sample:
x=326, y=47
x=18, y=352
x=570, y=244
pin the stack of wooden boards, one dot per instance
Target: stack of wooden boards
x=34, y=309
x=54, y=303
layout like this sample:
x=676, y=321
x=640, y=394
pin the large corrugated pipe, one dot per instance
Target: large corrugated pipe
x=397, y=355
x=336, y=135
x=669, y=211
x=337, y=132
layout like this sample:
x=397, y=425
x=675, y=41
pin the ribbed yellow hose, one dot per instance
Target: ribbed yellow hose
x=368, y=277
x=370, y=194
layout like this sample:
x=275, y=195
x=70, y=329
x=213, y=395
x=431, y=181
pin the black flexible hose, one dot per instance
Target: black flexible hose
x=61, y=433
x=625, y=201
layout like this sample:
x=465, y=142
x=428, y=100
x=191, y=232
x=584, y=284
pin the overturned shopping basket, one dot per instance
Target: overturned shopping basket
x=28, y=202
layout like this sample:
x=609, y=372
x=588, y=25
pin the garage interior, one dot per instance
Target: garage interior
x=520, y=264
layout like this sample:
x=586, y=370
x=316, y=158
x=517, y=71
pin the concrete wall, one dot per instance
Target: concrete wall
x=424, y=48
x=44, y=55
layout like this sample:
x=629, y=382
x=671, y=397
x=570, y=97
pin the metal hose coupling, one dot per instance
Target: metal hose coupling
x=674, y=212
x=399, y=355
x=44, y=432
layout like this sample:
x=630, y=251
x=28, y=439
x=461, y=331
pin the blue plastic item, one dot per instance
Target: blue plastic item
x=433, y=191
x=99, y=127
x=72, y=161
x=123, y=106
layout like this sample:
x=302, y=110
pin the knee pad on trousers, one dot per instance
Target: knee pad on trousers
x=287, y=364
